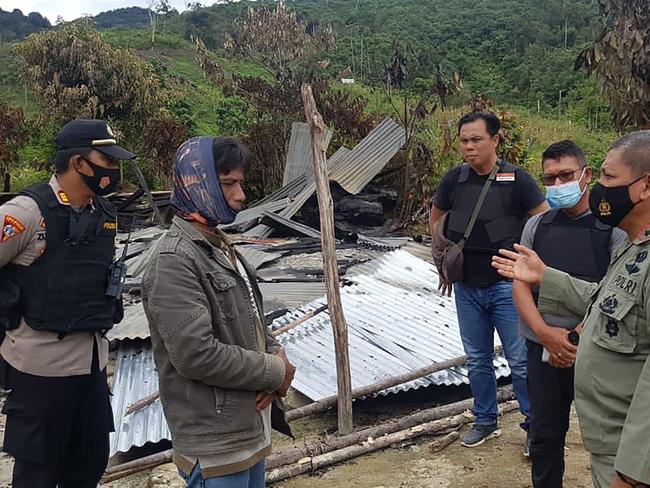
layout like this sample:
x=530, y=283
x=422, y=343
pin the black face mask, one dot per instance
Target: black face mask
x=103, y=181
x=610, y=204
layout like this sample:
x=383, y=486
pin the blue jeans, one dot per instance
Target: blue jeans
x=251, y=478
x=480, y=311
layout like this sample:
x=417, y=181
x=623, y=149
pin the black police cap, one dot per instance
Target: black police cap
x=91, y=133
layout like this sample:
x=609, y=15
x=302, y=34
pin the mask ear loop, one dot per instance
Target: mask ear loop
x=634, y=182
x=584, y=170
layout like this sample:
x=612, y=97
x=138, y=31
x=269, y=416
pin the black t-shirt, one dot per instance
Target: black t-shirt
x=477, y=268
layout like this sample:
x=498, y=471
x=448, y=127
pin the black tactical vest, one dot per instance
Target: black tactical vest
x=64, y=289
x=497, y=226
x=579, y=247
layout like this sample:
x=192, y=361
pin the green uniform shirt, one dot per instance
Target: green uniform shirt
x=612, y=370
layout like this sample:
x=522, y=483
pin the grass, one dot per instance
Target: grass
x=12, y=90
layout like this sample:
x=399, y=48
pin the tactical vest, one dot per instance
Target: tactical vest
x=64, y=289
x=579, y=247
x=501, y=227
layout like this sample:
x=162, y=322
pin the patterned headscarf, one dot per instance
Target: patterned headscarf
x=197, y=188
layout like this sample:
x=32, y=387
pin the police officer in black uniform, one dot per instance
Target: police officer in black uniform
x=57, y=251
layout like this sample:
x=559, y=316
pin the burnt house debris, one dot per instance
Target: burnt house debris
x=398, y=323
x=397, y=320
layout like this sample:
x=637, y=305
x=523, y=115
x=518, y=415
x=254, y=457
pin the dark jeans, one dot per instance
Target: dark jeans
x=57, y=429
x=550, y=391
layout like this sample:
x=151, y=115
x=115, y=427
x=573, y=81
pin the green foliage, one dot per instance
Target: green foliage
x=130, y=17
x=15, y=26
x=621, y=60
x=511, y=50
x=76, y=74
x=12, y=89
x=28, y=175
x=141, y=39
x=13, y=136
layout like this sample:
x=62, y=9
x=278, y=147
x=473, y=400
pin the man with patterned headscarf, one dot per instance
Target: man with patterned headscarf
x=219, y=368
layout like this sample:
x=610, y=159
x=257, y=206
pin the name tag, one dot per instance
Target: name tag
x=505, y=177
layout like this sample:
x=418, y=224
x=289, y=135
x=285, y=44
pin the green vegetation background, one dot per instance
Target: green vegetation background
x=519, y=53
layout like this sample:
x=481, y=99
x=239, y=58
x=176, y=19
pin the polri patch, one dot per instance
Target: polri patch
x=505, y=177
x=11, y=228
x=110, y=226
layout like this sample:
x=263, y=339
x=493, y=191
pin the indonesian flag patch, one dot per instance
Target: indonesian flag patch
x=11, y=228
x=505, y=177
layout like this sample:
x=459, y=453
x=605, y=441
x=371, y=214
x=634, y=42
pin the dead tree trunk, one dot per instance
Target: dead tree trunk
x=325, y=207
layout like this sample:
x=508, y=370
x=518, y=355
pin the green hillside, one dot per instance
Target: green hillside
x=519, y=53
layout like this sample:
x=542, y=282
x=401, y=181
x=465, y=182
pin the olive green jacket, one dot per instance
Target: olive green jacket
x=612, y=370
x=211, y=351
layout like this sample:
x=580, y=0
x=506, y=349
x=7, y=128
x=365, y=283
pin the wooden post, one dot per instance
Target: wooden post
x=325, y=207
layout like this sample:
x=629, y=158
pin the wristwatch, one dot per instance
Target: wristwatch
x=573, y=337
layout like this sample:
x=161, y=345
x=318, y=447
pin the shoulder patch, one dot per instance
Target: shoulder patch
x=11, y=228
x=110, y=226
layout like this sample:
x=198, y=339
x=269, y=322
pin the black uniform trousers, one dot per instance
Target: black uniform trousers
x=550, y=391
x=57, y=429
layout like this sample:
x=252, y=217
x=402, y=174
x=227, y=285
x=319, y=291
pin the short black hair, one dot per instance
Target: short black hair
x=492, y=122
x=230, y=153
x=62, y=158
x=564, y=148
x=635, y=150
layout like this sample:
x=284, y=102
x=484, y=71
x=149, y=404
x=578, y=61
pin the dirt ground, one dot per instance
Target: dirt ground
x=498, y=463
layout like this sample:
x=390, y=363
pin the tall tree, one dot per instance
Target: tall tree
x=621, y=60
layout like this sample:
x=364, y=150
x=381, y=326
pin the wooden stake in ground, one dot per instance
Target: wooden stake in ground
x=325, y=207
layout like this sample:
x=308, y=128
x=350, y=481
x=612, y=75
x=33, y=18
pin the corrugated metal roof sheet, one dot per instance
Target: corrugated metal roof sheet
x=136, y=378
x=387, y=242
x=419, y=250
x=257, y=258
x=134, y=325
x=369, y=157
x=254, y=213
x=290, y=294
x=308, y=189
x=288, y=225
x=353, y=170
x=397, y=322
x=300, y=160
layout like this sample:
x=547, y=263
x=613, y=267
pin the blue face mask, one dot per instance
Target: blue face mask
x=565, y=196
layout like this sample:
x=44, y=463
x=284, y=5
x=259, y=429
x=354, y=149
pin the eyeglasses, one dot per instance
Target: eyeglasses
x=564, y=177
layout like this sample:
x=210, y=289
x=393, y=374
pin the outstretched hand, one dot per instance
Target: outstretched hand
x=523, y=265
